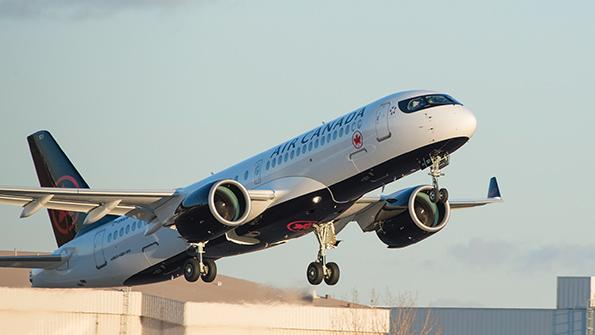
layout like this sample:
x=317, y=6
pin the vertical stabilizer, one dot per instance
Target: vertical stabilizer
x=54, y=169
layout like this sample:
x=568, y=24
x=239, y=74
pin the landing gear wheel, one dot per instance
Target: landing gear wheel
x=434, y=196
x=191, y=270
x=315, y=273
x=332, y=274
x=209, y=270
x=439, y=160
x=443, y=195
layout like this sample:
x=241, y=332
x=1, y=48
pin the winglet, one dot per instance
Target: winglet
x=494, y=190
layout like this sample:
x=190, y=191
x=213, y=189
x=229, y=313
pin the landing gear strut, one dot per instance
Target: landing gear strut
x=199, y=267
x=439, y=160
x=320, y=270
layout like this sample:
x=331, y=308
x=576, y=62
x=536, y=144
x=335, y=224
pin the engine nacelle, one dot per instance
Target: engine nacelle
x=409, y=216
x=212, y=210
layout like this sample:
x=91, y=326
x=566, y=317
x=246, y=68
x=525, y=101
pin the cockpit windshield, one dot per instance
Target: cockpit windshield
x=418, y=103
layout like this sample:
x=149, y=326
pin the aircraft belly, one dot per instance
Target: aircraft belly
x=294, y=218
x=285, y=221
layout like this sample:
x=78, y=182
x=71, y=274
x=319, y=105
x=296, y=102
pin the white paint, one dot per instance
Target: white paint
x=389, y=135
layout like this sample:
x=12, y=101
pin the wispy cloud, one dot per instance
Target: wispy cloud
x=479, y=253
x=76, y=8
x=562, y=258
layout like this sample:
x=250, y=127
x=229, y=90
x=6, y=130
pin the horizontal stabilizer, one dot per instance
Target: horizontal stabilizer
x=32, y=262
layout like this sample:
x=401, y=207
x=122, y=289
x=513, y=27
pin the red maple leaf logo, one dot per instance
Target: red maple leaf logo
x=65, y=221
x=357, y=139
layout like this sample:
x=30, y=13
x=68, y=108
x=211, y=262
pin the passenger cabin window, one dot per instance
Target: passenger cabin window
x=432, y=100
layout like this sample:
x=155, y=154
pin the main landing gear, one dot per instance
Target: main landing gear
x=320, y=270
x=439, y=160
x=199, y=267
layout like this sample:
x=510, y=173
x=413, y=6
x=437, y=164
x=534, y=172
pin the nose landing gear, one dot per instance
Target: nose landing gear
x=199, y=267
x=320, y=270
x=438, y=161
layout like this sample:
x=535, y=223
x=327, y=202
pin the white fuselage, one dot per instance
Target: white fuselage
x=317, y=159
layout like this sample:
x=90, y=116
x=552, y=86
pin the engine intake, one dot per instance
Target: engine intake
x=229, y=202
x=400, y=225
x=212, y=210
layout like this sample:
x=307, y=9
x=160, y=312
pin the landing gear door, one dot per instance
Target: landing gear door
x=98, y=250
x=382, y=124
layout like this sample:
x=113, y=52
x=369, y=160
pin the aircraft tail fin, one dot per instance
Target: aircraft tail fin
x=54, y=169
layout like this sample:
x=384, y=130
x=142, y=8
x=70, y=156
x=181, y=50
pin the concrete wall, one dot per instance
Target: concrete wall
x=86, y=311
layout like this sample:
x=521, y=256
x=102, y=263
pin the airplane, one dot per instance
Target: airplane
x=316, y=182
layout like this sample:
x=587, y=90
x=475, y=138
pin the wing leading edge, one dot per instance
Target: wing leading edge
x=494, y=196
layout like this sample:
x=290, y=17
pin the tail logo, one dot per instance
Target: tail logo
x=64, y=221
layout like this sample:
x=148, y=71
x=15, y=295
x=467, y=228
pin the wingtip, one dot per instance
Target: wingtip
x=494, y=189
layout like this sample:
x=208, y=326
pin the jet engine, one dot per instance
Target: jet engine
x=212, y=210
x=409, y=216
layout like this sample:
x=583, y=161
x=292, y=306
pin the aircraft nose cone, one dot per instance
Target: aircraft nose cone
x=467, y=122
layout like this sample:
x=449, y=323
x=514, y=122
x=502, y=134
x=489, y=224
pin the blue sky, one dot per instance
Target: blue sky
x=157, y=94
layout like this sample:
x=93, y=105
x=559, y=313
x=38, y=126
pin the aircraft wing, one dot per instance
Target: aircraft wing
x=96, y=203
x=33, y=262
x=493, y=197
x=154, y=206
x=364, y=210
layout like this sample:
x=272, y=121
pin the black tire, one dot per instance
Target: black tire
x=315, y=274
x=443, y=195
x=191, y=270
x=434, y=196
x=333, y=274
x=211, y=271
